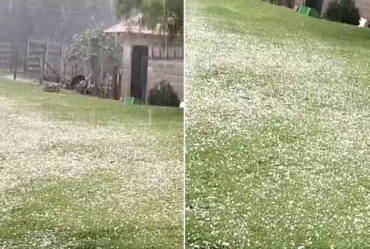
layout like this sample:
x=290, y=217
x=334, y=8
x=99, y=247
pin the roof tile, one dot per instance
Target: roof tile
x=134, y=25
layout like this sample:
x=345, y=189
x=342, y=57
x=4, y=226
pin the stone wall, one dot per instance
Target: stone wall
x=171, y=70
x=364, y=7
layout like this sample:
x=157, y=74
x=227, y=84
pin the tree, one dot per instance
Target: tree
x=168, y=13
x=126, y=8
x=344, y=11
x=98, y=51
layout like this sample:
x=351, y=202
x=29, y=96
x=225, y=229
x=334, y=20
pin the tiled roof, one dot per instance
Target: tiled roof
x=134, y=26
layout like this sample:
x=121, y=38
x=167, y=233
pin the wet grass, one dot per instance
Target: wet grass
x=60, y=214
x=68, y=105
x=277, y=129
x=81, y=172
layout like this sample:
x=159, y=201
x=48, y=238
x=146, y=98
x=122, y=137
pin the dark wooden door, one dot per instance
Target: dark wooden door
x=139, y=72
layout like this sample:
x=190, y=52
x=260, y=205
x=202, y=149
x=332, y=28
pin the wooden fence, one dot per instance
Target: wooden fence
x=6, y=54
x=35, y=58
x=44, y=56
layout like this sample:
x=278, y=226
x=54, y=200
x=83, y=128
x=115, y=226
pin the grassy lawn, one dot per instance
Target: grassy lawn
x=81, y=172
x=278, y=129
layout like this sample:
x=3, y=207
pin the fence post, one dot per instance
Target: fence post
x=46, y=56
x=12, y=58
x=42, y=69
x=61, y=75
x=26, y=57
x=16, y=64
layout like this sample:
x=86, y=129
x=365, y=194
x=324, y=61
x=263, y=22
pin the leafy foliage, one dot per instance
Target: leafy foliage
x=168, y=13
x=163, y=95
x=94, y=44
x=98, y=52
x=126, y=8
x=344, y=11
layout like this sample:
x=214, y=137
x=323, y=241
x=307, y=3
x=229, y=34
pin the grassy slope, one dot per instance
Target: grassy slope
x=278, y=129
x=91, y=211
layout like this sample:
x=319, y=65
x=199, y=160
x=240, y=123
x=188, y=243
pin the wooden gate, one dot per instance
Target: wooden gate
x=6, y=53
x=44, y=56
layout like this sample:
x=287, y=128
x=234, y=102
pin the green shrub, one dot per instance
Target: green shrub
x=344, y=11
x=163, y=95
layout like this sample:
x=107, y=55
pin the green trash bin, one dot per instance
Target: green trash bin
x=304, y=10
x=129, y=100
x=307, y=11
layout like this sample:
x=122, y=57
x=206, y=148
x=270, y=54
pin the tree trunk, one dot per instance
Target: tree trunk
x=95, y=75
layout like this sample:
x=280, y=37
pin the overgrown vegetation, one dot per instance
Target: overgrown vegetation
x=344, y=11
x=163, y=95
x=168, y=13
x=98, y=53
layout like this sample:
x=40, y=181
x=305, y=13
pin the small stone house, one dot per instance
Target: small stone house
x=150, y=55
x=322, y=5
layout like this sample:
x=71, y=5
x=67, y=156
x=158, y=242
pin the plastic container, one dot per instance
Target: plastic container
x=308, y=11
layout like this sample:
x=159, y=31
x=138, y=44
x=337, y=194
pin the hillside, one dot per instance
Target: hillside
x=278, y=129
